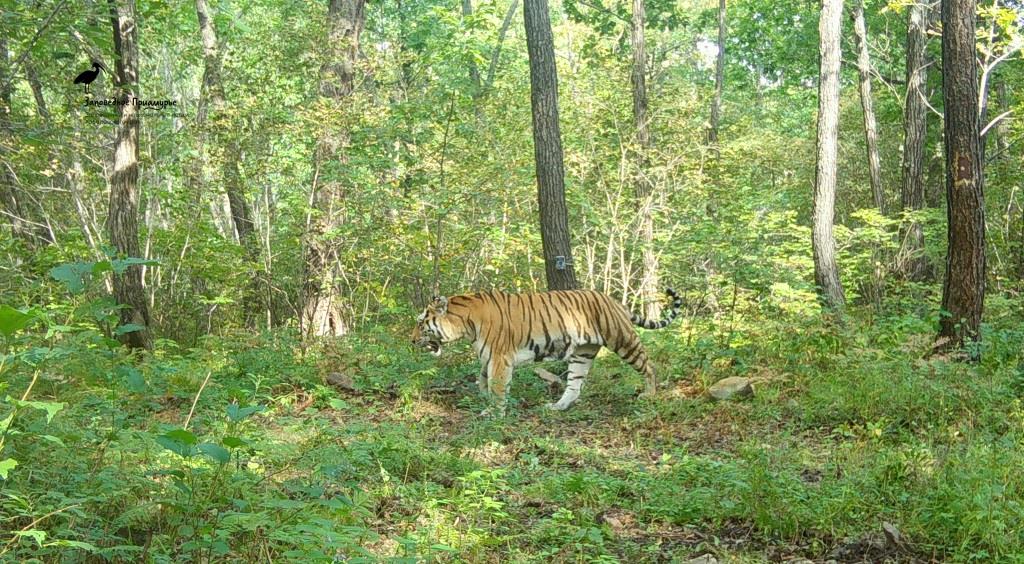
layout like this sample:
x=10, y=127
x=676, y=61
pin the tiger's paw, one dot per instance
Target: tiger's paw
x=556, y=406
x=493, y=412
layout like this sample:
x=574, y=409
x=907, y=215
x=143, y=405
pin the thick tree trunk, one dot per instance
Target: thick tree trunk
x=860, y=33
x=321, y=302
x=716, y=102
x=913, y=264
x=826, y=271
x=123, y=221
x=547, y=147
x=963, y=293
x=642, y=186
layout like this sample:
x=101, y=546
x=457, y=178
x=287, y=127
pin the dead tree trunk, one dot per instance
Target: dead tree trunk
x=321, y=302
x=716, y=102
x=123, y=218
x=963, y=293
x=642, y=185
x=913, y=264
x=547, y=147
x=860, y=33
x=826, y=271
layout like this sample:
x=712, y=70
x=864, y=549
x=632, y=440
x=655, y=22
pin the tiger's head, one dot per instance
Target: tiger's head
x=435, y=326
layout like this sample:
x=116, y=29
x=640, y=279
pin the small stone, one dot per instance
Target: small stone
x=343, y=381
x=703, y=559
x=893, y=537
x=731, y=387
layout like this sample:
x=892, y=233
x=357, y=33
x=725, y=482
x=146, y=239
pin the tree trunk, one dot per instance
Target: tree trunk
x=716, y=102
x=321, y=307
x=213, y=89
x=474, y=72
x=826, y=272
x=643, y=189
x=913, y=264
x=1002, y=128
x=13, y=214
x=860, y=33
x=496, y=53
x=123, y=219
x=547, y=147
x=963, y=293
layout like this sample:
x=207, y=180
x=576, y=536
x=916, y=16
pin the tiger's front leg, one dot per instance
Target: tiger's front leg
x=499, y=378
x=481, y=380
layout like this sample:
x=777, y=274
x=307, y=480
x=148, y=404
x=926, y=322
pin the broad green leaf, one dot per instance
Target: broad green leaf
x=73, y=274
x=178, y=441
x=12, y=320
x=236, y=413
x=50, y=407
x=6, y=466
x=233, y=442
x=182, y=436
x=216, y=452
x=128, y=328
x=177, y=447
x=74, y=544
x=133, y=379
x=35, y=534
x=121, y=265
x=338, y=403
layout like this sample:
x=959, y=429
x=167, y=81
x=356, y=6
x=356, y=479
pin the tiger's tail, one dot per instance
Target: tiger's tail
x=673, y=312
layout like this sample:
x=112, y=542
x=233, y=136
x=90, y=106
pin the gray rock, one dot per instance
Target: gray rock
x=703, y=559
x=731, y=387
x=341, y=381
x=893, y=537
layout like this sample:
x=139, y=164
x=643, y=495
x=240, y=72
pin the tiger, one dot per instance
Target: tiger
x=511, y=329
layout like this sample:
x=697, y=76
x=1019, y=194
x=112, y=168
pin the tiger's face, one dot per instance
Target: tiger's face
x=433, y=327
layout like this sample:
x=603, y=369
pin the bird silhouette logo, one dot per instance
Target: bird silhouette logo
x=87, y=77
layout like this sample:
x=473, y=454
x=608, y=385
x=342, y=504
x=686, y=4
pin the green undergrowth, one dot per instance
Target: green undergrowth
x=850, y=427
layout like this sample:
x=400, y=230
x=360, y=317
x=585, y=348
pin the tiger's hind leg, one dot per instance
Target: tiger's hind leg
x=579, y=366
x=632, y=351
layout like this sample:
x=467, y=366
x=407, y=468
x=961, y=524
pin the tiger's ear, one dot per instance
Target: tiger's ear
x=440, y=305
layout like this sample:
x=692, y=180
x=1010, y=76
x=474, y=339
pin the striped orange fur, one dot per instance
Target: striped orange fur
x=511, y=329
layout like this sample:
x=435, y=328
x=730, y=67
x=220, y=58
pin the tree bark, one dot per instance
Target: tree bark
x=963, y=293
x=213, y=90
x=496, y=53
x=13, y=213
x=716, y=102
x=642, y=186
x=826, y=271
x=321, y=300
x=860, y=33
x=913, y=264
x=547, y=147
x=123, y=218
x=1001, y=128
x=474, y=72
x=213, y=85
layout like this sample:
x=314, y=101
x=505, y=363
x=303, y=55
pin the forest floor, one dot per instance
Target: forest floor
x=853, y=448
